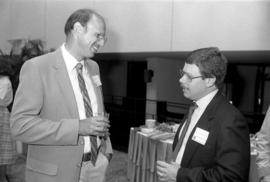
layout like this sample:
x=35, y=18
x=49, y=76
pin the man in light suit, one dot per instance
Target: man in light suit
x=215, y=146
x=49, y=112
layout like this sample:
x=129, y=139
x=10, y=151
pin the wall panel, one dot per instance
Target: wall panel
x=230, y=25
x=137, y=26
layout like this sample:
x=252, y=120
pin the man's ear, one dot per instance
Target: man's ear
x=77, y=27
x=210, y=81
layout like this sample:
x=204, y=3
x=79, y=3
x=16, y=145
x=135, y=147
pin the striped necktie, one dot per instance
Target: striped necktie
x=88, y=111
x=192, y=107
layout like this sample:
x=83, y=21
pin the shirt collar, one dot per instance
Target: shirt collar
x=204, y=101
x=70, y=60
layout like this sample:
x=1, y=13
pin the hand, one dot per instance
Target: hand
x=265, y=179
x=166, y=171
x=104, y=117
x=97, y=125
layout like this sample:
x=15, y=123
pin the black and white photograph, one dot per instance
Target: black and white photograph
x=134, y=91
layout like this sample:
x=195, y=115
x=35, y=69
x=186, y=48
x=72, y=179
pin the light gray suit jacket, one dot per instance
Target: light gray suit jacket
x=45, y=116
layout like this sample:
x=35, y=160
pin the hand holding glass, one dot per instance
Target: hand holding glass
x=104, y=117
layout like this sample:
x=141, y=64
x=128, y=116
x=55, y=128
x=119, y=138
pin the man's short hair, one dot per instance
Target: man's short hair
x=83, y=16
x=211, y=62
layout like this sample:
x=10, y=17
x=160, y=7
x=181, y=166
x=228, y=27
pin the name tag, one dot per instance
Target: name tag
x=200, y=136
x=96, y=80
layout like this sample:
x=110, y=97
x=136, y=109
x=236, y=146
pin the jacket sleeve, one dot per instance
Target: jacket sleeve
x=26, y=123
x=263, y=147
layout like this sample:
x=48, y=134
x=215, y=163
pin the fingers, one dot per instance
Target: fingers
x=101, y=118
x=159, y=172
x=162, y=170
x=100, y=126
x=162, y=164
x=98, y=131
x=161, y=175
x=92, y=126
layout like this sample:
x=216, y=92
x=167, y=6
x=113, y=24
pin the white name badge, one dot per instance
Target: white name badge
x=200, y=136
x=96, y=80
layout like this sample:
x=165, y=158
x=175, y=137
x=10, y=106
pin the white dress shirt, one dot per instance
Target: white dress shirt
x=71, y=63
x=202, y=104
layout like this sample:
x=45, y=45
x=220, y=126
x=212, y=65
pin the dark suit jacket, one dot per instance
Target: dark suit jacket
x=226, y=153
x=45, y=116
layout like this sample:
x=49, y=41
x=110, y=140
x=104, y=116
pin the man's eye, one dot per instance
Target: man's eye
x=99, y=35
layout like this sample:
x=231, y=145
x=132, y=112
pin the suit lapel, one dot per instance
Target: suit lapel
x=205, y=122
x=62, y=77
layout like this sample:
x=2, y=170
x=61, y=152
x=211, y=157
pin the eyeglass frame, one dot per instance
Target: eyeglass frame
x=189, y=77
x=100, y=37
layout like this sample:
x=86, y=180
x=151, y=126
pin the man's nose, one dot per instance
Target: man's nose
x=182, y=79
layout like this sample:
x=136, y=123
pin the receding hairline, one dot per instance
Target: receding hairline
x=82, y=13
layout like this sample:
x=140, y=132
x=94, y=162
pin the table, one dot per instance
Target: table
x=144, y=151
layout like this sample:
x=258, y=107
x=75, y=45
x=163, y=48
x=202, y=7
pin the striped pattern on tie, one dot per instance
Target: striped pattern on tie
x=88, y=111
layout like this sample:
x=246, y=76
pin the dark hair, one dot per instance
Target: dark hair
x=211, y=62
x=7, y=65
x=82, y=16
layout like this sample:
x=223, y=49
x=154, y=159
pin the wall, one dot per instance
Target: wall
x=4, y=21
x=143, y=26
x=165, y=83
x=147, y=26
x=230, y=25
x=137, y=26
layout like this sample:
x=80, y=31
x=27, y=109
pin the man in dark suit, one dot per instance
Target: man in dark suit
x=215, y=145
x=59, y=104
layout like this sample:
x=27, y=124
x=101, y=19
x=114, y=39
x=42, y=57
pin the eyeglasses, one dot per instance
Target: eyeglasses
x=101, y=37
x=189, y=77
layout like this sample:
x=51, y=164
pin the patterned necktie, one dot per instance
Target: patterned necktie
x=192, y=107
x=88, y=111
